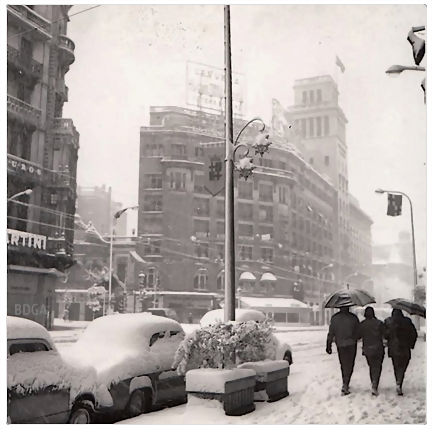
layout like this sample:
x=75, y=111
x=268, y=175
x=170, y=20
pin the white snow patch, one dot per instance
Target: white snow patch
x=30, y=372
x=104, y=396
x=119, y=346
x=213, y=380
x=20, y=328
x=140, y=383
x=241, y=315
x=264, y=367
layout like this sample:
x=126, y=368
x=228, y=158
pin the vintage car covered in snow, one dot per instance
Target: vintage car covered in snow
x=133, y=355
x=276, y=350
x=41, y=386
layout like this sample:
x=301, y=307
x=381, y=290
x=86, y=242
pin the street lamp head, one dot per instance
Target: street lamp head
x=379, y=191
x=330, y=265
x=245, y=167
x=28, y=192
x=395, y=70
x=262, y=144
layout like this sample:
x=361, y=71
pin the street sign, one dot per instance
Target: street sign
x=214, y=167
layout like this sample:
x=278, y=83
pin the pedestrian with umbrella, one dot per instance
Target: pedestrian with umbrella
x=344, y=329
x=401, y=335
x=372, y=333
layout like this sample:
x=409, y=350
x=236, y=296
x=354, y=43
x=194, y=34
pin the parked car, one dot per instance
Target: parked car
x=164, y=312
x=276, y=350
x=133, y=355
x=41, y=386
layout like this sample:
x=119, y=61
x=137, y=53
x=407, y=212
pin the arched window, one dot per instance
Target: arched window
x=201, y=279
x=220, y=282
x=152, y=278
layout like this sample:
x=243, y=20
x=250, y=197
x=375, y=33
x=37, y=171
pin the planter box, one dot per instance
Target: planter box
x=233, y=388
x=271, y=379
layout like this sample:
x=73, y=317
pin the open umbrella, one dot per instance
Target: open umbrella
x=349, y=298
x=410, y=307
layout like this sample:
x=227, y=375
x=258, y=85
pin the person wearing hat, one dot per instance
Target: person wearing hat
x=344, y=330
x=372, y=334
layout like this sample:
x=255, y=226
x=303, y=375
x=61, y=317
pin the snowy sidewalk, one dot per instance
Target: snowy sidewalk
x=315, y=398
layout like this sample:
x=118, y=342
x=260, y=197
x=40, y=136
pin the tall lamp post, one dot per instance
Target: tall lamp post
x=381, y=191
x=112, y=227
x=19, y=194
x=244, y=166
x=347, y=277
x=322, y=311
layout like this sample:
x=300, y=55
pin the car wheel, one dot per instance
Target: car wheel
x=81, y=414
x=139, y=403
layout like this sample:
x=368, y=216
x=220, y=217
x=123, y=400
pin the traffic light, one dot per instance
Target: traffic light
x=418, y=45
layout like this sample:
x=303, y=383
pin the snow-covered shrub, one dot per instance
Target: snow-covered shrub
x=223, y=346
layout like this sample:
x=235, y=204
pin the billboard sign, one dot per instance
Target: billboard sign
x=214, y=167
x=206, y=88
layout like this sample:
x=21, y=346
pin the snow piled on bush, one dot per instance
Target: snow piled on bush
x=118, y=346
x=31, y=372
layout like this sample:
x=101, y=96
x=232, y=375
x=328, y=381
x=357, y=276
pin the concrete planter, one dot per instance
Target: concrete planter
x=233, y=388
x=271, y=379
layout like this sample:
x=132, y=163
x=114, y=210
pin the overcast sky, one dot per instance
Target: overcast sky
x=131, y=57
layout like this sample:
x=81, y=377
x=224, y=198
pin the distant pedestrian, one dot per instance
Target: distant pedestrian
x=344, y=330
x=402, y=336
x=66, y=315
x=372, y=332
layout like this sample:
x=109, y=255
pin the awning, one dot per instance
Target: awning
x=268, y=277
x=137, y=257
x=247, y=276
x=47, y=271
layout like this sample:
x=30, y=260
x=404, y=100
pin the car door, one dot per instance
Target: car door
x=170, y=386
x=47, y=405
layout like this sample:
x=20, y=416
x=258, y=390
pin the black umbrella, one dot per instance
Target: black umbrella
x=349, y=298
x=410, y=307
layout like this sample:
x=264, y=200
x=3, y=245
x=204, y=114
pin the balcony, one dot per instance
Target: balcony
x=66, y=50
x=27, y=170
x=65, y=131
x=23, y=112
x=27, y=19
x=62, y=90
x=62, y=180
x=24, y=63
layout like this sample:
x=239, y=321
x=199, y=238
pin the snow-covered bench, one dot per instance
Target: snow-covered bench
x=271, y=379
x=233, y=388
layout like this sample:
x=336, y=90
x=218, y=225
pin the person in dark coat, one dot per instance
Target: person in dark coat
x=372, y=332
x=344, y=330
x=401, y=335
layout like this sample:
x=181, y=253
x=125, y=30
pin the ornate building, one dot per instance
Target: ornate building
x=42, y=154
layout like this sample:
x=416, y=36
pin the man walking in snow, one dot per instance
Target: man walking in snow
x=402, y=336
x=371, y=332
x=344, y=330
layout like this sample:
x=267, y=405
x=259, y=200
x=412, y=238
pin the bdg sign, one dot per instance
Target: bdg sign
x=206, y=88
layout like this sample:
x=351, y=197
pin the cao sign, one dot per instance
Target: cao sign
x=206, y=88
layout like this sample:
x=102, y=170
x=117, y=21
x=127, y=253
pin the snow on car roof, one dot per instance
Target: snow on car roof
x=241, y=315
x=20, y=328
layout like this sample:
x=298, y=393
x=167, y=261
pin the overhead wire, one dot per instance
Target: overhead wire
x=52, y=22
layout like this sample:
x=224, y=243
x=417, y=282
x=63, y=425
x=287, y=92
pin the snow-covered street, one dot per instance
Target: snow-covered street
x=314, y=386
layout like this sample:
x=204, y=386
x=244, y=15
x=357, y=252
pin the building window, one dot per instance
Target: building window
x=220, y=281
x=202, y=250
x=178, y=149
x=319, y=131
x=267, y=254
x=178, y=181
x=26, y=49
x=220, y=228
x=152, y=278
x=265, y=162
x=153, y=204
x=265, y=193
x=246, y=253
x=282, y=165
x=319, y=96
x=245, y=190
x=201, y=228
x=220, y=208
x=283, y=195
x=153, y=181
x=266, y=231
x=311, y=96
x=199, y=152
x=311, y=127
x=245, y=230
x=152, y=225
x=202, y=207
x=304, y=97
x=220, y=251
x=326, y=160
x=199, y=183
x=152, y=248
x=303, y=128
x=266, y=213
x=201, y=279
x=326, y=126
x=245, y=211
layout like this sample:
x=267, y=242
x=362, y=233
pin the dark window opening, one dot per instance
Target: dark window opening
x=27, y=348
